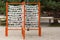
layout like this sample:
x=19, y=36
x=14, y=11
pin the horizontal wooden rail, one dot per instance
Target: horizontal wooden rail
x=15, y=3
x=21, y=29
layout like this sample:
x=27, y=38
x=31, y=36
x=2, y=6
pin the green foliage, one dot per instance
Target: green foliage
x=46, y=4
x=2, y=7
x=22, y=0
x=14, y=0
x=31, y=0
x=50, y=5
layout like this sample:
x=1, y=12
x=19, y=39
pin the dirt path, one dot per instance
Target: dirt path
x=48, y=33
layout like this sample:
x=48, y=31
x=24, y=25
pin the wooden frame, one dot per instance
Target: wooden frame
x=39, y=28
x=23, y=22
x=6, y=29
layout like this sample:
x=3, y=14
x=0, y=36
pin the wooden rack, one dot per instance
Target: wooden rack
x=23, y=22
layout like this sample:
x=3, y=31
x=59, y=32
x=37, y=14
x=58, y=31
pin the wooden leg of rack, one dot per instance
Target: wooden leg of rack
x=6, y=31
x=39, y=31
x=23, y=33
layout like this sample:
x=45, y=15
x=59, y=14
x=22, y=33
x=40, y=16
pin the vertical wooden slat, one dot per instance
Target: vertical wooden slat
x=23, y=22
x=6, y=29
x=39, y=28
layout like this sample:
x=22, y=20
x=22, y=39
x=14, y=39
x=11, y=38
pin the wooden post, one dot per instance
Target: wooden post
x=23, y=17
x=6, y=29
x=23, y=22
x=39, y=28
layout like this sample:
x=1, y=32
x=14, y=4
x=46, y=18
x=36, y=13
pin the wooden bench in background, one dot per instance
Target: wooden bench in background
x=2, y=18
x=47, y=18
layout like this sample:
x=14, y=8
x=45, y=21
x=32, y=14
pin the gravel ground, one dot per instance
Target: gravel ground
x=48, y=33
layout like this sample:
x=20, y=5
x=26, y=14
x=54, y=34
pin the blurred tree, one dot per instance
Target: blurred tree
x=2, y=4
x=2, y=7
x=51, y=6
